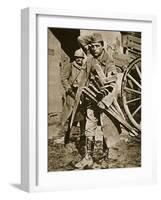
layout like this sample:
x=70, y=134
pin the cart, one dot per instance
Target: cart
x=131, y=82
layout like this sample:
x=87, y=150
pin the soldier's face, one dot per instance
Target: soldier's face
x=79, y=60
x=96, y=49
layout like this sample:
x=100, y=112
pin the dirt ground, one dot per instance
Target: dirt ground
x=125, y=153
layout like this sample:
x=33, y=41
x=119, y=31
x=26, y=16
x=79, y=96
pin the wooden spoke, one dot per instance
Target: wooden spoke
x=138, y=70
x=130, y=83
x=130, y=77
x=132, y=90
x=134, y=113
x=133, y=100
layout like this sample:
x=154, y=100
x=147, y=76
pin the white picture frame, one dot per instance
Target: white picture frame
x=33, y=77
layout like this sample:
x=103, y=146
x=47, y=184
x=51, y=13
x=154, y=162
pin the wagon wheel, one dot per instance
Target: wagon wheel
x=131, y=93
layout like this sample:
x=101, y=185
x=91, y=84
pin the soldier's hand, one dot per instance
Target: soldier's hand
x=99, y=96
x=71, y=93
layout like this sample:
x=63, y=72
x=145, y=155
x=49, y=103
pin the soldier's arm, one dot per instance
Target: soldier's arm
x=109, y=89
x=65, y=75
x=111, y=69
x=111, y=77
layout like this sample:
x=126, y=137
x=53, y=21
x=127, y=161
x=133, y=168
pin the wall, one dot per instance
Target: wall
x=54, y=84
x=10, y=99
x=61, y=46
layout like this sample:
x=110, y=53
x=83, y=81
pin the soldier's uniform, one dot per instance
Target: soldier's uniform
x=101, y=67
x=71, y=76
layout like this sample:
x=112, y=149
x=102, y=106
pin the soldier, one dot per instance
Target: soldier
x=71, y=76
x=99, y=65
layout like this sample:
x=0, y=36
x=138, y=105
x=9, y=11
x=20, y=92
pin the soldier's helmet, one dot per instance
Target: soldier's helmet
x=79, y=53
x=96, y=37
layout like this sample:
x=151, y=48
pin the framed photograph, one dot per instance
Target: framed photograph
x=86, y=101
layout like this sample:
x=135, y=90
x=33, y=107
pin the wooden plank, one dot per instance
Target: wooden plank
x=134, y=45
x=135, y=39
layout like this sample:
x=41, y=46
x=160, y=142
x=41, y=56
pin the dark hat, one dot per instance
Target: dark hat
x=96, y=37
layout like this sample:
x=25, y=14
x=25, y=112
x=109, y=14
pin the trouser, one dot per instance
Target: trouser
x=92, y=122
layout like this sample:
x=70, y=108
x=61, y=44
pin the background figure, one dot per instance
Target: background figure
x=101, y=67
x=71, y=77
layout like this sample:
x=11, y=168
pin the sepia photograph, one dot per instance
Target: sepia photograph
x=94, y=99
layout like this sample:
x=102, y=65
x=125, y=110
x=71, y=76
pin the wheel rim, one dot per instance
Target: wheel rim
x=131, y=93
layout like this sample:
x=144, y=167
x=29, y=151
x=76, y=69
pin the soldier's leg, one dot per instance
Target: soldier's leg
x=110, y=134
x=105, y=150
x=67, y=132
x=82, y=128
x=90, y=142
x=82, y=141
x=91, y=126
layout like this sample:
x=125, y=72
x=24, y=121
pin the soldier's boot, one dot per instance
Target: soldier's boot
x=104, y=160
x=105, y=154
x=87, y=161
x=105, y=150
